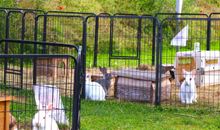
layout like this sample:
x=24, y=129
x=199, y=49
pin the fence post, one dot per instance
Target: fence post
x=35, y=51
x=6, y=46
x=96, y=40
x=77, y=88
x=139, y=39
x=84, y=56
x=45, y=33
x=158, y=65
x=111, y=39
x=154, y=41
x=208, y=33
x=22, y=47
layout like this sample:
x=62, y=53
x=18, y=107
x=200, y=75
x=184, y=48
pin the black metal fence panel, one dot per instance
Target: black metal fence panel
x=21, y=72
x=214, y=31
x=185, y=49
x=50, y=100
x=112, y=38
x=60, y=28
x=120, y=62
x=42, y=78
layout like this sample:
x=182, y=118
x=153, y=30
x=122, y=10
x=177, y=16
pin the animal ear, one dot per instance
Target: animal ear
x=184, y=71
x=103, y=70
x=194, y=72
x=88, y=77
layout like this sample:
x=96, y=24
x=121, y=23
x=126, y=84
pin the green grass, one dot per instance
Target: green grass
x=103, y=60
x=113, y=115
x=168, y=56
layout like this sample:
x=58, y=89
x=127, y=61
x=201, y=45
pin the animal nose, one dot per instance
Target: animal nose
x=190, y=79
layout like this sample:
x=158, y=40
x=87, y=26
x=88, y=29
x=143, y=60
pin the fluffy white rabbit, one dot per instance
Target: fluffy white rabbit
x=188, y=93
x=94, y=91
x=43, y=121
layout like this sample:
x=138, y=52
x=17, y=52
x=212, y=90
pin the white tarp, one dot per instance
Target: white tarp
x=181, y=38
x=46, y=95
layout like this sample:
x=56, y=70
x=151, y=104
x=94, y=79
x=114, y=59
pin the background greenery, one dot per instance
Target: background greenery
x=116, y=6
x=70, y=31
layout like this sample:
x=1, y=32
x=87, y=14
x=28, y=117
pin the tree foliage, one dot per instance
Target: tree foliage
x=110, y=6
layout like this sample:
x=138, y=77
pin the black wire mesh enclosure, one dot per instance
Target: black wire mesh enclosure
x=171, y=60
x=121, y=44
x=34, y=99
x=168, y=59
x=121, y=58
x=43, y=89
x=195, y=81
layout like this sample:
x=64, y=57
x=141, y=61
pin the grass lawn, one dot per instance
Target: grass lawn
x=135, y=116
x=115, y=115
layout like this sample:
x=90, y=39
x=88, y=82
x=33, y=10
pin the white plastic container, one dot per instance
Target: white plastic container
x=206, y=64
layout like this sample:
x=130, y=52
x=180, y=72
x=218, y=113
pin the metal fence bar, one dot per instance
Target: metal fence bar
x=154, y=40
x=77, y=89
x=111, y=39
x=96, y=41
x=139, y=30
x=208, y=33
x=44, y=33
x=84, y=43
x=158, y=66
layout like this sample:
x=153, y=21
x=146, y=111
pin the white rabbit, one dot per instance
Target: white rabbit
x=94, y=91
x=43, y=121
x=188, y=93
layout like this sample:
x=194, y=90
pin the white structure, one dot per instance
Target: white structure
x=181, y=38
x=206, y=64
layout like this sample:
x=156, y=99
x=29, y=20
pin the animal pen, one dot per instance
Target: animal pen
x=127, y=57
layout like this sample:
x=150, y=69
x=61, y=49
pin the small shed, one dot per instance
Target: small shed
x=138, y=85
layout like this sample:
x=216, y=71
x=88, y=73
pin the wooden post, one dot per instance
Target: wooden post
x=4, y=112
